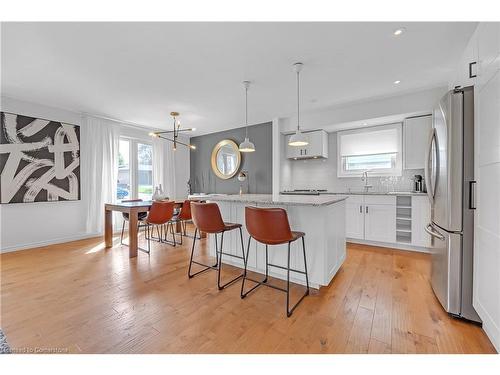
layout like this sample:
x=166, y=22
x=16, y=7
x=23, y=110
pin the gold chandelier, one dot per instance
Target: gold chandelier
x=174, y=133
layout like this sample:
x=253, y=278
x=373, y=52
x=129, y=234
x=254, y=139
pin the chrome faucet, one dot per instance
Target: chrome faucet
x=365, y=179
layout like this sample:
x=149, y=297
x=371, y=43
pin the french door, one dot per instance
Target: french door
x=135, y=170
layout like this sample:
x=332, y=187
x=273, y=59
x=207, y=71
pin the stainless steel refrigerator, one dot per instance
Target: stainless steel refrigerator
x=449, y=179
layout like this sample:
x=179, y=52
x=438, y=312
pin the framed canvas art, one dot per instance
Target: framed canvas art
x=39, y=160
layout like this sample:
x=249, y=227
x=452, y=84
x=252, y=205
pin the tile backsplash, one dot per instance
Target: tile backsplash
x=322, y=174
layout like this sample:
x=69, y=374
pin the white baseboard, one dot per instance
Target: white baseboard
x=489, y=325
x=399, y=246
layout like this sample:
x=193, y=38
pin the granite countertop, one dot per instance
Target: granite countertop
x=296, y=200
x=372, y=193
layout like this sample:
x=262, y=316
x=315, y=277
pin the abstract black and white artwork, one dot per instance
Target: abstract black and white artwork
x=39, y=160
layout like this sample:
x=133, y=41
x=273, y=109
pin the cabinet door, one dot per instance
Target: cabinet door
x=318, y=144
x=354, y=221
x=488, y=47
x=380, y=222
x=468, y=66
x=416, y=132
x=420, y=217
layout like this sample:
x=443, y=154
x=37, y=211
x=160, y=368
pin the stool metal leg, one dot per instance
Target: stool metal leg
x=191, y=261
x=243, y=295
x=259, y=283
x=123, y=229
x=220, y=265
x=288, y=310
x=305, y=262
x=267, y=266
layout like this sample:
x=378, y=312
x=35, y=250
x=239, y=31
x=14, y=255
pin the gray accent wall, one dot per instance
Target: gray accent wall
x=258, y=164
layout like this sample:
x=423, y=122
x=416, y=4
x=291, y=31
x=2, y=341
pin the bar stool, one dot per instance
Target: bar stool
x=270, y=226
x=207, y=218
x=160, y=213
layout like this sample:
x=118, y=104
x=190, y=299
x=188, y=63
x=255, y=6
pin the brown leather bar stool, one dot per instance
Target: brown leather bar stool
x=270, y=226
x=207, y=218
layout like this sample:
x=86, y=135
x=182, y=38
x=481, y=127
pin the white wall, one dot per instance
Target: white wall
x=27, y=225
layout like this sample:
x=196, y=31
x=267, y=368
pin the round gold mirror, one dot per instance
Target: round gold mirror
x=226, y=159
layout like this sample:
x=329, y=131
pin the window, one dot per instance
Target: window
x=375, y=149
x=123, y=188
x=135, y=170
x=145, y=171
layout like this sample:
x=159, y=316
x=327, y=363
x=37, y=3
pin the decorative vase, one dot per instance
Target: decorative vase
x=161, y=193
x=156, y=194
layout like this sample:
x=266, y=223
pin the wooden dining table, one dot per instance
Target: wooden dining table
x=133, y=209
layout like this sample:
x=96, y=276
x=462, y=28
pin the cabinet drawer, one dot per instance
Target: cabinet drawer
x=380, y=199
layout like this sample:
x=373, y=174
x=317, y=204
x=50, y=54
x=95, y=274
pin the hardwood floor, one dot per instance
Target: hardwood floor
x=80, y=297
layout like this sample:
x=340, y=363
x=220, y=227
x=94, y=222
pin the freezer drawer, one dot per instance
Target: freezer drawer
x=446, y=255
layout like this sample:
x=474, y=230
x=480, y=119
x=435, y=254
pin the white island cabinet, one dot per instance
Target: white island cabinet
x=321, y=218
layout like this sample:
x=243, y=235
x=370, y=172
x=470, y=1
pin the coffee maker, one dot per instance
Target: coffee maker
x=418, y=184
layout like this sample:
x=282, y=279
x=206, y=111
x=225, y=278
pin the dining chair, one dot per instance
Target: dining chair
x=184, y=216
x=140, y=218
x=160, y=216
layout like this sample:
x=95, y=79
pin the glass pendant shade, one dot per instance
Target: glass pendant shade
x=246, y=146
x=298, y=139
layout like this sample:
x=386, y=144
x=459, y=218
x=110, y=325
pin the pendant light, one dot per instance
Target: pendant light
x=246, y=145
x=298, y=139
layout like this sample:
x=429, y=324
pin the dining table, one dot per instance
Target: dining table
x=132, y=209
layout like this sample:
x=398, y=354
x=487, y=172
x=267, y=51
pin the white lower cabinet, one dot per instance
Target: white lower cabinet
x=355, y=217
x=420, y=217
x=380, y=222
x=396, y=220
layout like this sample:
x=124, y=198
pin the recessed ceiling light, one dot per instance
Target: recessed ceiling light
x=397, y=82
x=399, y=31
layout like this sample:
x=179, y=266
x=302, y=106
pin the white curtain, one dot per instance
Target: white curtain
x=164, y=166
x=100, y=161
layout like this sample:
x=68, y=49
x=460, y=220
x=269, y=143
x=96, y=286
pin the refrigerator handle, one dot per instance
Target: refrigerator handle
x=428, y=229
x=427, y=172
x=472, y=195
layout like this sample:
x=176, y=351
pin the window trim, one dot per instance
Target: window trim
x=396, y=171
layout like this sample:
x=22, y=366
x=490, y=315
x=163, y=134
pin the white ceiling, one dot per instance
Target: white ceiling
x=140, y=72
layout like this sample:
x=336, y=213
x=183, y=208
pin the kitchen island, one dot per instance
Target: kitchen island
x=321, y=218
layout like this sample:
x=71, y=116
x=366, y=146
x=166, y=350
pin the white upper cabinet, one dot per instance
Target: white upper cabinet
x=467, y=70
x=317, y=147
x=488, y=47
x=416, y=132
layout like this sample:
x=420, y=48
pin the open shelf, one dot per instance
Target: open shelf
x=403, y=219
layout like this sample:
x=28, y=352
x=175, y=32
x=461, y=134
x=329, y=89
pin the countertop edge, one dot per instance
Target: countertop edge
x=271, y=201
